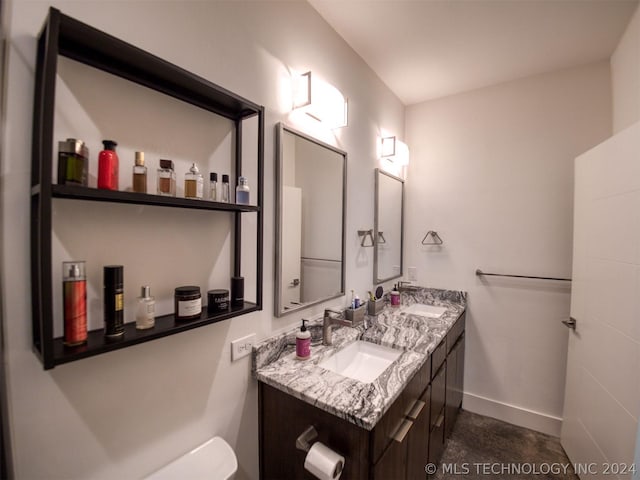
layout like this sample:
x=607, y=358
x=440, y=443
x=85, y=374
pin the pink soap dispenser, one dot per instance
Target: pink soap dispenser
x=303, y=343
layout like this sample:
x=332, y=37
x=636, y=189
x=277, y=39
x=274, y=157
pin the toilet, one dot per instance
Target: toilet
x=213, y=460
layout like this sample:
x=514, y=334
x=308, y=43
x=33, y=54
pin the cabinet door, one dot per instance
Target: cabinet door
x=392, y=465
x=438, y=409
x=460, y=371
x=418, y=448
x=451, y=413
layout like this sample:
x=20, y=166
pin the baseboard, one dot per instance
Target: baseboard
x=513, y=414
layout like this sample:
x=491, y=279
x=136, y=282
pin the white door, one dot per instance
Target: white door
x=291, y=245
x=602, y=391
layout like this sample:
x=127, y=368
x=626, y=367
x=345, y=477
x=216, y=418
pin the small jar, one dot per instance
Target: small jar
x=188, y=303
x=166, y=179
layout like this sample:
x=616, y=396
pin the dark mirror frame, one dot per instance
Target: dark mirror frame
x=376, y=228
x=281, y=129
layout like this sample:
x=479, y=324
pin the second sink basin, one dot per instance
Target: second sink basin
x=363, y=361
x=425, y=310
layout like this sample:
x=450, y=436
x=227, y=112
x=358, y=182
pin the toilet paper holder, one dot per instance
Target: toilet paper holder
x=306, y=439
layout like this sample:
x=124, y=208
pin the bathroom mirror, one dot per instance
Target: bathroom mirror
x=310, y=221
x=388, y=223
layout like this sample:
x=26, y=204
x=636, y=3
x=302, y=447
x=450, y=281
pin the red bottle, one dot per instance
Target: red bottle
x=108, y=166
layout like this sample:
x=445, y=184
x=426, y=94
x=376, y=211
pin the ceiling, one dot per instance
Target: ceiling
x=425, y=49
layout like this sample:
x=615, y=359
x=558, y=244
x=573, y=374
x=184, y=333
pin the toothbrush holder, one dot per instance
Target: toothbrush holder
x=355, y=315
x=374, y=307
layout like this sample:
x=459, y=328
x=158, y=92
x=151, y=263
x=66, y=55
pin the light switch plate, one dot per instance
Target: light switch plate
x=241, y=347
x=413, y=274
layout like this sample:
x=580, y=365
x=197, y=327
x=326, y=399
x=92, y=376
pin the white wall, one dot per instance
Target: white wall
x=625, y=76
x=126, y=413
x=492, y=171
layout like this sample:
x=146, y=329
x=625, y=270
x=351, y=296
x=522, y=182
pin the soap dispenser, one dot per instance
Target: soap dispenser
x=303, y=343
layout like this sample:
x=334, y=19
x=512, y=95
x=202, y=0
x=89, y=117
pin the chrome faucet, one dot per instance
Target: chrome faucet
x=328, y=321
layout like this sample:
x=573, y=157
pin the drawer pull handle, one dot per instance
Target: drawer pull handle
x=402, y=431
x=416, y=409
x=439, y=420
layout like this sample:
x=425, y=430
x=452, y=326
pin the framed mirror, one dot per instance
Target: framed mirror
x=388, y=223
x=310, y=221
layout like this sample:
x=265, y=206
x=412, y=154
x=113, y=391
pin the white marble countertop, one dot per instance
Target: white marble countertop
x=275, y=362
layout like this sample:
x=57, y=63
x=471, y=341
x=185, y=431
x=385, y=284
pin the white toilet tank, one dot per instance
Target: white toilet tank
x=213, y=460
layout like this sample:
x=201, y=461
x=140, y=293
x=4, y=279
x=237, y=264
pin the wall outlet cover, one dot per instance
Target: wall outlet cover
x=241, y=347
x=413, y=274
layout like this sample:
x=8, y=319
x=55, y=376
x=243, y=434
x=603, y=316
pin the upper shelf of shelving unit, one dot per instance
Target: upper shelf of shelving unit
x=91, y=46
x=78, y=192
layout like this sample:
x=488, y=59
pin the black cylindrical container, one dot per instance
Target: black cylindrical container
x=217, y=301
x=187, y=302
x=113, y=301
x=237, y=291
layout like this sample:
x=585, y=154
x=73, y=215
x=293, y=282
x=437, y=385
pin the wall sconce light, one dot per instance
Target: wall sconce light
x=394, y=150
x=387, y=147
x=320, y=100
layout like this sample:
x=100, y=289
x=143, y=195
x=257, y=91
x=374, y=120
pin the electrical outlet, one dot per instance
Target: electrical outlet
x=413, y=274
x=241, y=347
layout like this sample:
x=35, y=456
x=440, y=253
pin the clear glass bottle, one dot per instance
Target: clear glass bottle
x=140, y=174
x=146, y=309
x=213, y=186
x=166, y=179
x=224, y=189
x=242, y=191
x=193, y=183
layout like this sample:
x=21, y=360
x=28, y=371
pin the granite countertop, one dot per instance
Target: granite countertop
x=275, y=362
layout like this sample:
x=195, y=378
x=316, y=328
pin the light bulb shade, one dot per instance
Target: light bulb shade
x=320, y=100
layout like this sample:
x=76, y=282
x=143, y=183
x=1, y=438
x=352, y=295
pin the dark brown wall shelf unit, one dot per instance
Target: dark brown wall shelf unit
x=65, y=36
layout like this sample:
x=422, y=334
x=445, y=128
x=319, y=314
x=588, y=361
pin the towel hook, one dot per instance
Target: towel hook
x=381, y=238
x=435, y=238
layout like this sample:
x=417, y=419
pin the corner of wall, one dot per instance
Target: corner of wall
x=625, y=76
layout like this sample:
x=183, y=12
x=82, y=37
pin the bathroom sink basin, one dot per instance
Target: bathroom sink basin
x=424, y=310
x=363, y=361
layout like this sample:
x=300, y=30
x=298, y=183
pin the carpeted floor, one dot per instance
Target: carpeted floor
x=482, y=447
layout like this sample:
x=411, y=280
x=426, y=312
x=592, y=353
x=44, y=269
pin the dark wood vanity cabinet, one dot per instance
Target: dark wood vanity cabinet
x=411, y=433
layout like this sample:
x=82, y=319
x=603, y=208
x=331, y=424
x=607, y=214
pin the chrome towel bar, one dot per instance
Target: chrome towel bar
x=480, y=273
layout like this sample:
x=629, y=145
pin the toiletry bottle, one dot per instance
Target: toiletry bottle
x=356, y=301
x=73, y=162
x=166, y=179
x=213, y=186
x=140, y=174
x=146, y=309
x=108, y=166
x=224, y=189
x=242, y=191
x=74, y=291
x=193, y=183
x=395, y=296
x=113, y=301
x=303, y=343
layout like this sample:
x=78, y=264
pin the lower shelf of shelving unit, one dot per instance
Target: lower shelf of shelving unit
x=164, y=326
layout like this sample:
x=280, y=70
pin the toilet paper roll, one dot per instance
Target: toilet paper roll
x=323, y=462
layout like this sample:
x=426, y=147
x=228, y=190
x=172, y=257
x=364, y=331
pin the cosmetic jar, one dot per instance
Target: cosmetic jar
x=217, y=301
x=188, y=302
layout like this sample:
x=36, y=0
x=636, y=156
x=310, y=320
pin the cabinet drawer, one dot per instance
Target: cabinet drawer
x=397, y=413
x=437, y=357
x=438, y=388
x=455, y=331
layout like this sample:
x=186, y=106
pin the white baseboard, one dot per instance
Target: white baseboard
x=513, y=414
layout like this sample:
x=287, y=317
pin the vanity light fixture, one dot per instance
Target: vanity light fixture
x=394, y=150
x=387, y=147
x=319, y=100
